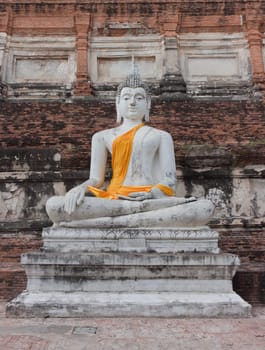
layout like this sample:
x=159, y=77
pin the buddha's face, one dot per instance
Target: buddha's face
x=133, y=103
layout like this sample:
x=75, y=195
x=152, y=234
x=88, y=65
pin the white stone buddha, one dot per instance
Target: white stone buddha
x=142, y=190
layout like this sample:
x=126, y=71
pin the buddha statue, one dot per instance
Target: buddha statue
x=141, y=192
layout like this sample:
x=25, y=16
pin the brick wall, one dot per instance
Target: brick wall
x=237, y=126
x=12, y=245
x=32, y=133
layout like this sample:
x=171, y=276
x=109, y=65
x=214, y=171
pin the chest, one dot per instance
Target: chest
x=146, y=140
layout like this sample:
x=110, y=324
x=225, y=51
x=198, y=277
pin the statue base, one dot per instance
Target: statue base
x=114, y=272
x=137, y=304
x=62, y=239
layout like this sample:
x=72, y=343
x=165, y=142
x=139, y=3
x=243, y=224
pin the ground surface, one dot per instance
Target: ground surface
x=133, y=333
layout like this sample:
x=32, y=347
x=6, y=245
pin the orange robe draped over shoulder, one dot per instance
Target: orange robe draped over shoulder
x=121, y=155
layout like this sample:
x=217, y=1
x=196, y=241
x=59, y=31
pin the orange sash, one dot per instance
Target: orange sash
x=121, y=155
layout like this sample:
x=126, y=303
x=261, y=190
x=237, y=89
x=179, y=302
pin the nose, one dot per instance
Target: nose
x=132, y=101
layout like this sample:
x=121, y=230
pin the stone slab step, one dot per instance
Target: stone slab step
x=59, y=304
x=76, y=284
x=93, y=271
x=129, y=259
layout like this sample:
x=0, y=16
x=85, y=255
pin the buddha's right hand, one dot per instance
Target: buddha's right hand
x=73, y=198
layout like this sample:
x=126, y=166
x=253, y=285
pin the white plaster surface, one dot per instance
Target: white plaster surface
x=3, y=42
x=113, y=68
x=214, y=57
x=137, y=239
x=173, y=304
x=42, y=59
x=143, y=259
x=111, y=57
x=201, y=58
x=171, y=63
x=12, y=201
x=137, y=285
x=134, y=272
x=221, y=201
x=200, y=67
x=71, y=283
x=194, y=214
x=41, y=69
x=248, y=200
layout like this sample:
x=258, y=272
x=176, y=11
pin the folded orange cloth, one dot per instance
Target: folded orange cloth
x=121, y=155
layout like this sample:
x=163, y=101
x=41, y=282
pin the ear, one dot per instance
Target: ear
x=117, y=110
x=147, y=113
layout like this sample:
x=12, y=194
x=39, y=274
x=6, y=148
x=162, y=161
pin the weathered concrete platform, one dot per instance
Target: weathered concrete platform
x=134, y=304
x=129, y=273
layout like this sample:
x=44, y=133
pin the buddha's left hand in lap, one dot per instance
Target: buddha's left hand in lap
x=155, y=193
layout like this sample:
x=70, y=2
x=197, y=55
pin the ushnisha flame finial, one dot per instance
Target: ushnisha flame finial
x=133, y=80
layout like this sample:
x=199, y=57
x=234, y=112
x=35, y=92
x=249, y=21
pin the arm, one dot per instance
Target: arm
x=76, y=195
x=168, y=166
x=98, y=160
x=167, y=162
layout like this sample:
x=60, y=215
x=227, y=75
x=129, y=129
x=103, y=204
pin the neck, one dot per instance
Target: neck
x=128, y=123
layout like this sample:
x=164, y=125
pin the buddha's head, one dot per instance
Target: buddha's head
x=133, y=100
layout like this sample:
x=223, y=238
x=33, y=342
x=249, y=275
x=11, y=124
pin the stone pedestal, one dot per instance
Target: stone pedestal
x=113, y=239
x=129, y=272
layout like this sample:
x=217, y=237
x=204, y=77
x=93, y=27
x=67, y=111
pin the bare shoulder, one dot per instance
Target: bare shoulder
x=161, y=133
x=102, y=134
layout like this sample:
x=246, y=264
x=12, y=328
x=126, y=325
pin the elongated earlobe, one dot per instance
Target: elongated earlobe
x=147, y=113
x=118, y=118
x=118, y=111
x=147, y=116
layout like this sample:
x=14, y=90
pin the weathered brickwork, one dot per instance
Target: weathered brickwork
x=50, y=144
x=249, y=282
x=239, y=127
x=217, y=121
x=12, y=276
x=248, y=243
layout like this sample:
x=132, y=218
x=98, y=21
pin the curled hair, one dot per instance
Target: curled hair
x=133, y=80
